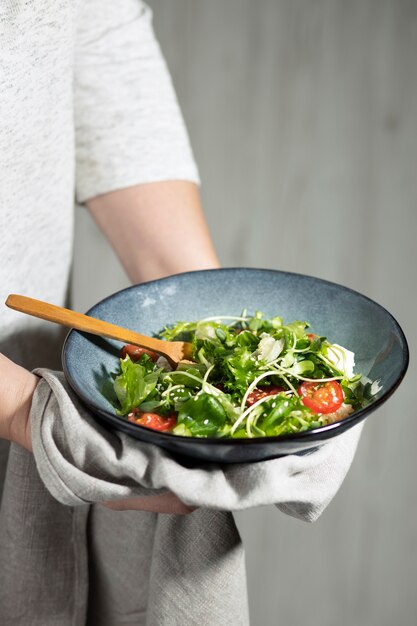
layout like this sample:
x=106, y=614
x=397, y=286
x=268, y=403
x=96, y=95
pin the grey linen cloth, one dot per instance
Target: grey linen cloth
x=196, y=573
x=80, y=462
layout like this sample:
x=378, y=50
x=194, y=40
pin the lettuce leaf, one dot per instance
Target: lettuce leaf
x=136, y=383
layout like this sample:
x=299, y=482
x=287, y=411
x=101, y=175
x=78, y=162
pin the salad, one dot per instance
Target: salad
x=251, y=376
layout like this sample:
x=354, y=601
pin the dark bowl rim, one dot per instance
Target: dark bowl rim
x=342, y=425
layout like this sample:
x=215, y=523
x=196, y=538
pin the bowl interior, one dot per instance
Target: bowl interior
x=342, y=315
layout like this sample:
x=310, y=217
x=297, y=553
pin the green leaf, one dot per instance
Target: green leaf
x=285, y=415
x=207, y=331
x=187, y=374
x=301, y=368
x=136, y=382
x=298, y=328
x=241, y=369
x=245, y=339
x=180, y=330
x=202, y=415
x=182, y=431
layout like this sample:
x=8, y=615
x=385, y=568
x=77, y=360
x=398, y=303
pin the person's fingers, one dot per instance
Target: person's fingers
x=164, y=503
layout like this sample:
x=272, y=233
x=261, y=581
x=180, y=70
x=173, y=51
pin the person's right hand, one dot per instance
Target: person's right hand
x=17, y=386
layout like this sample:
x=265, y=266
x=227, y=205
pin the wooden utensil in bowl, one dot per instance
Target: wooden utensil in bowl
x=173, y=351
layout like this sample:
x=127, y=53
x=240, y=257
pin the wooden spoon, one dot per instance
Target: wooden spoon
x=173, y=351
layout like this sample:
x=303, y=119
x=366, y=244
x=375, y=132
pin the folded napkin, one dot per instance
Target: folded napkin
x=197, y=573
x=81, y=461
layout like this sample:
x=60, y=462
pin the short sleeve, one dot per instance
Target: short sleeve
x=128, y=125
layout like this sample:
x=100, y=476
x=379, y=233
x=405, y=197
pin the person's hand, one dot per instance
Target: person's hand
x=164, y=503
x=17, y=386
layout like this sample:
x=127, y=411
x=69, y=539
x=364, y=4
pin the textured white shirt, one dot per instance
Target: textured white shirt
x=87, y=106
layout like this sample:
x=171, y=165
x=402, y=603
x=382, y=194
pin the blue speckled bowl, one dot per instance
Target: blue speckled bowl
x=342, y=315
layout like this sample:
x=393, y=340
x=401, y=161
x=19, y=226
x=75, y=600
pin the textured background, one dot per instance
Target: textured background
x=303, y=118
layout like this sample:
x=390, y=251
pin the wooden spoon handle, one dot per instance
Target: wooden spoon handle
x=72, y=319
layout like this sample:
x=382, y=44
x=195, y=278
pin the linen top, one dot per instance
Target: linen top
x=87, y=106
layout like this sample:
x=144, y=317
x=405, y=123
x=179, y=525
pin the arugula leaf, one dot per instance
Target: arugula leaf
x=135, y=383
x=241, y=369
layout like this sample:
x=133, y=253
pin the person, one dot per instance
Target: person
x=87, y=105
x=140, y=192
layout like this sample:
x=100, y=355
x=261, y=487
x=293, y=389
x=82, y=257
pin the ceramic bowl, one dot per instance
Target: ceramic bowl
x=343, y=316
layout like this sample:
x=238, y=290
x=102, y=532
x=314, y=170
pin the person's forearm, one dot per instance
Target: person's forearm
x=17, y=386
x=156, y=229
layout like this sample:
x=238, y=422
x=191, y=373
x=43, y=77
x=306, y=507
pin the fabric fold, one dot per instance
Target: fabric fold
x=198, y=571
x=43, y=551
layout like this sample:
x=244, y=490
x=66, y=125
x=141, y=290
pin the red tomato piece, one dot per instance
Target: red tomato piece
x=259, y=393
x=153, y=420
x=320, y=397
x=311, y=336
x=135, y=352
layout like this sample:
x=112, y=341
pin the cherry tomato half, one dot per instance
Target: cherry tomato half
x=152, y=420
x=321, y=397
x=135, y=352
x=259, y=393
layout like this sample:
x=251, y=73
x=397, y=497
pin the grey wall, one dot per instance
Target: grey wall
x=303, y=115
